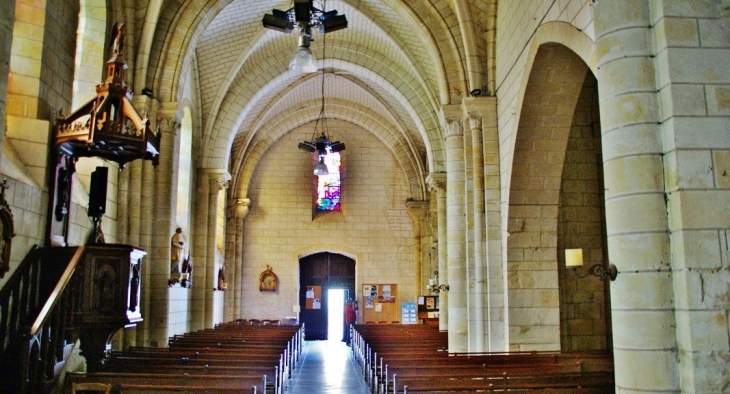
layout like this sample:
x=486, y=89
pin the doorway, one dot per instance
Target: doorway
x=335, y=314
x=318, y=274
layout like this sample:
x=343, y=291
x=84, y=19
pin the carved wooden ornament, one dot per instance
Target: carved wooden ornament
x=268, y=280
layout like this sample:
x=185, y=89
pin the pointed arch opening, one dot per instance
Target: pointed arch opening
x=555, y=188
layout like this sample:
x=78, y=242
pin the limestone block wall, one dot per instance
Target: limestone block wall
x=584, y=313
x=373, y=227
x=59, y=49
x=7, y=8
x=28, y=205
x=692, y=42
x=40, y=75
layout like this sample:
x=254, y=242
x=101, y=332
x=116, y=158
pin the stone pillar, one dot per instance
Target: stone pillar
x=477, y=291
x=456, y=226
x=241, y=210
x=486, y=298
x=437, y=185
x=494, y=273
x=642, y=302
x=417, y=211
x=135, y=201
x=201, y=284
x=161, y=225
x=218, y=182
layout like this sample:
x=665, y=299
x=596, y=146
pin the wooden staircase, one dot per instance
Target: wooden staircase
x=59, y=295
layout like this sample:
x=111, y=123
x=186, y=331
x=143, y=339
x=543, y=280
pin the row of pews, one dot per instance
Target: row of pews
x=415, y=359
x=236, y=357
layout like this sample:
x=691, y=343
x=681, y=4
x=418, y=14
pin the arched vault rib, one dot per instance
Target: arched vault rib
x=371, y=26
x=189, y=19
x=176, y=36
x=305, y=116
x=337, y=50
x=345, y=91
x=243, y=101
x=151, y=19
x=455, y=80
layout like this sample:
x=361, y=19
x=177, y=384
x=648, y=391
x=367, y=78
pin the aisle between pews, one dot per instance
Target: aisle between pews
x=327, y=367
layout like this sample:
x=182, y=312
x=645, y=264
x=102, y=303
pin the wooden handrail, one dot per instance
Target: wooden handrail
x=57, y=291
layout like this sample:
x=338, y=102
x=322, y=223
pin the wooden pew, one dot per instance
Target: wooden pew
x=154, y=381
x=230, y=358
x=398, y=357
x=595, y=382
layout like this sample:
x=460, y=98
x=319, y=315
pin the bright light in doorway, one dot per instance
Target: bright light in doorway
x=335, y=312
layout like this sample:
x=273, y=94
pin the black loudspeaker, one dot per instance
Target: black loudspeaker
x=97, y=192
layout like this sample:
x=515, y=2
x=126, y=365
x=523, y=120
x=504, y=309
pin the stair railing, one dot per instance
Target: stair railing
x=38, y=308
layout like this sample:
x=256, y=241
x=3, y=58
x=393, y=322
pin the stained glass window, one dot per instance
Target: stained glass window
x=328, y=186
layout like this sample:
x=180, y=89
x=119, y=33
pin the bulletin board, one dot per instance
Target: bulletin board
x=313, y=297
x=380, y=303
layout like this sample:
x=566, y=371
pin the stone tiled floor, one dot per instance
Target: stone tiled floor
x=327, y=367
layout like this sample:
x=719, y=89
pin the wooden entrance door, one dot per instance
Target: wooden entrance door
x=319, y=273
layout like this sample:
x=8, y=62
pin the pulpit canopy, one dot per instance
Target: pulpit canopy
x=108, y=126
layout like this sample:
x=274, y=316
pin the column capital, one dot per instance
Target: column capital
x=436, y=182
x=451, y=119
x=218, y=178
x=241, y=205
x=168, y=118
x=453, y=127
x=475, y=120
x=416, y=209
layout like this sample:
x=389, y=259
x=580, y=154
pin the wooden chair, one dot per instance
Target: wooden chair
x=91, y=387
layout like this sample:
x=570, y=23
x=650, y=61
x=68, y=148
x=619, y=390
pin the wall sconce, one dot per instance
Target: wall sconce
x=574, y=259
x=433, y=286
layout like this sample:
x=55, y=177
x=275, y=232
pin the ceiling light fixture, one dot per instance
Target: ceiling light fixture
x=305, y=16
x=320, y=141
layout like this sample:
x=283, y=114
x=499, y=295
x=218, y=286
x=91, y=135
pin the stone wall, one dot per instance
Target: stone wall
x=373, y=227
x=584, y=311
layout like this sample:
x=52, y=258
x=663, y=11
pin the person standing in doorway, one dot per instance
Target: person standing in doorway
x=350, y=318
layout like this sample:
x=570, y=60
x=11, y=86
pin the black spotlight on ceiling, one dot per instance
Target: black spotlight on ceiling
x=279, y=21
x=336, y=146
x=307, y=146
x=305, y=16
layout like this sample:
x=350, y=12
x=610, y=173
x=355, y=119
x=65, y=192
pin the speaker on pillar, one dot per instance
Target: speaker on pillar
x=97, y=192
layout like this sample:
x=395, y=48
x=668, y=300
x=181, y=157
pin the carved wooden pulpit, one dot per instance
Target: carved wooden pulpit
x=111, y=296
x=108, y=127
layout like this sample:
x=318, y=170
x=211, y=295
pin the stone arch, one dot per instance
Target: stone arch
x=178, y=30
x=553, y=88
x=552, y=32
x=241, y=102
x=366, y=120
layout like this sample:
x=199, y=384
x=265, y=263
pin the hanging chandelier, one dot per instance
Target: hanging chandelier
x=320, y=141
x=306, y=17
